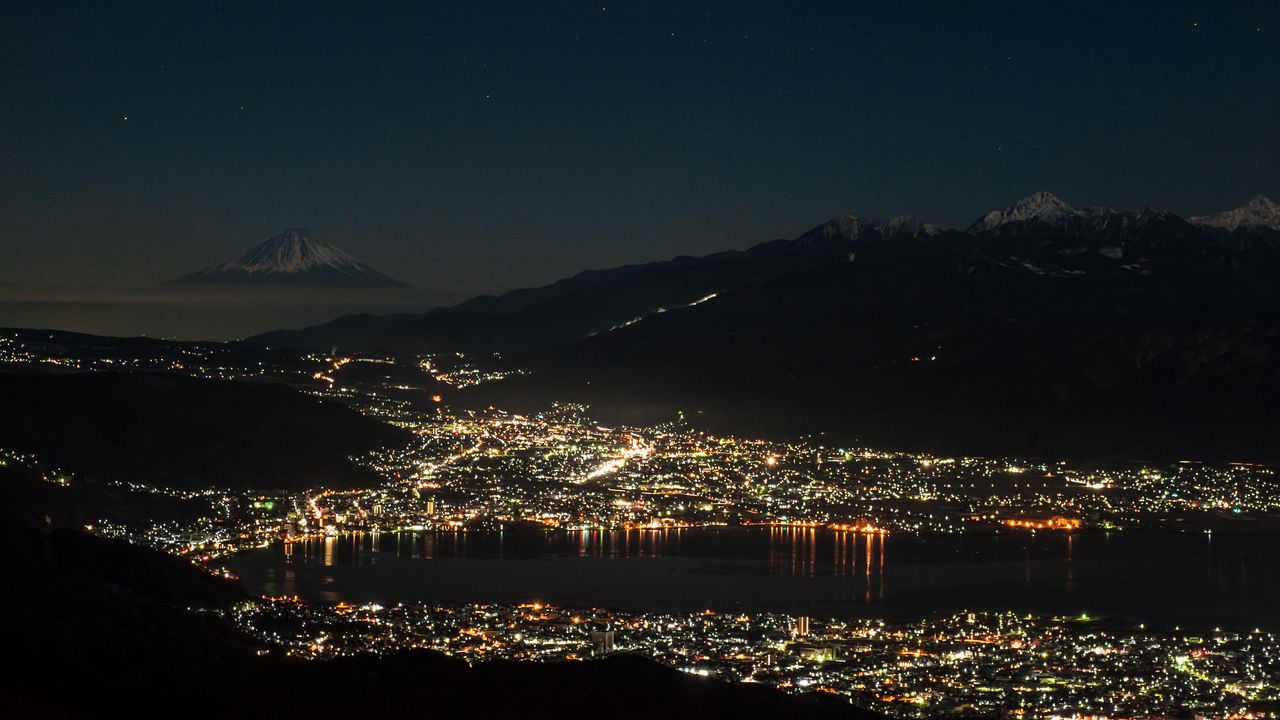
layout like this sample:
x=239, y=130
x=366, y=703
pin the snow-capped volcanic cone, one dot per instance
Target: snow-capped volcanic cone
x=294, y=257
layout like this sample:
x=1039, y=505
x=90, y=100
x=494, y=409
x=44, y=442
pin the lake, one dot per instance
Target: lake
x=1191, y=579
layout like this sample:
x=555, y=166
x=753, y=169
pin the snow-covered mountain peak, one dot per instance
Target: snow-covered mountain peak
x=1260, y=212
x=1041, y=202
x=1262, y=202
x=294, y=256
x=292, y=251
x=1043, y=207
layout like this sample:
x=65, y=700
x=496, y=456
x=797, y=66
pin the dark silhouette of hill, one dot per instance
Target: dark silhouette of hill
x=1145, y=340
x=27, y=498
x=175, y=431
x=591, y=301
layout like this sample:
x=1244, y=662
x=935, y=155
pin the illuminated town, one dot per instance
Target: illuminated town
x=964, y=665
x=657, y=360
x=559, y=471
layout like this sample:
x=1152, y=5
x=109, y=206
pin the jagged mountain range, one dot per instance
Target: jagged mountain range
x=1061, y=240
x=1041, y=329
x=1260, y=213
x=294, y=257
x=594, y=301
x=1254, y=225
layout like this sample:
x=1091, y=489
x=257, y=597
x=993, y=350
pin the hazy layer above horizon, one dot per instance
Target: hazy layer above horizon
x=202, y=312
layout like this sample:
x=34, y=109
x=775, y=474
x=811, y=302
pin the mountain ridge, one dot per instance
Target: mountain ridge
x=1049, y=331
x=532, y=317
x=1259, y=212
x=596, y=301
x=967, y=345
x=1042, y=207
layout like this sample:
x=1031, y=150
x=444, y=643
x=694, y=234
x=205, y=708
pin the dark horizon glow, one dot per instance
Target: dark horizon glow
x=504, y=144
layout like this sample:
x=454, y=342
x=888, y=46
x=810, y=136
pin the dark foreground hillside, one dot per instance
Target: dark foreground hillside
x=182, y=432
x=99, y=628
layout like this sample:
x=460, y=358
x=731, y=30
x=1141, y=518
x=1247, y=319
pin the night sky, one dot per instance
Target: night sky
x=482, y=146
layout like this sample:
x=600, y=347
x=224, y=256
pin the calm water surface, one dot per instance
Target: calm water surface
x=1192, y=579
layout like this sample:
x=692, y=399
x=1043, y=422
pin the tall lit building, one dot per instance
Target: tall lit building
x=602, y=642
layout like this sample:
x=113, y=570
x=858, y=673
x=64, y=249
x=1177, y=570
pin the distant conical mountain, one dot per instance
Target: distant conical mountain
x=294, y=257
